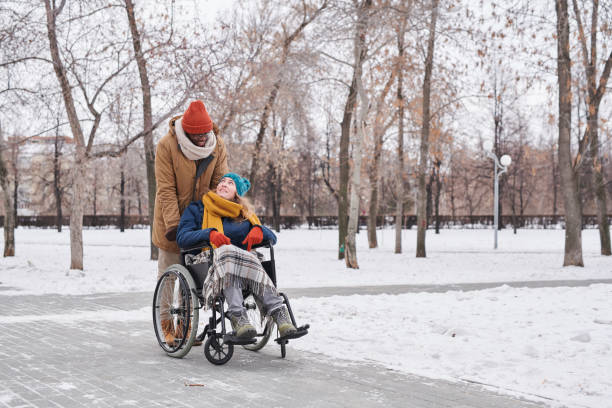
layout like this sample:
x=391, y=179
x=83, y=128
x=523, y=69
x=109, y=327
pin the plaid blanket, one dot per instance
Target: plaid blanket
x=233, y=266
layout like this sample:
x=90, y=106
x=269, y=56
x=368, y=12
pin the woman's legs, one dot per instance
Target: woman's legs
x=237, y=313
x=270, y=301
x=274, y=305
x=234, y=299
x=234, y=268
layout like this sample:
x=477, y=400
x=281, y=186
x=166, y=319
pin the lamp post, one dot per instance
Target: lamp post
x=501, y=166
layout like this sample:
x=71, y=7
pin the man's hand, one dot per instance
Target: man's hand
x=171, y=233
x=255, y=236
x=218, y=239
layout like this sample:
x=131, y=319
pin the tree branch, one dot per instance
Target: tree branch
x=118, y=152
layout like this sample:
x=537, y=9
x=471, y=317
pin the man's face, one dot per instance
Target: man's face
x=199, y=139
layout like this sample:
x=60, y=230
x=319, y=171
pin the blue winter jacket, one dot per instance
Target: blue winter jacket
x=190, y=232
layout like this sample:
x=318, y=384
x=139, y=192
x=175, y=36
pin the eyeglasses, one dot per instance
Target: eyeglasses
x=200, y=135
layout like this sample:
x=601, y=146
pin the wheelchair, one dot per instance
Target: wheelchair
x=178, y=299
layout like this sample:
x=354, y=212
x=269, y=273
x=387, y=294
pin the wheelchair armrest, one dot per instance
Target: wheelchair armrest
x=206, y=244
x=262, y=244
x=198, y=246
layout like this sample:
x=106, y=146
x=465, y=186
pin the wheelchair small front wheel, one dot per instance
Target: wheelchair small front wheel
x=217, y=351
x=175, y=311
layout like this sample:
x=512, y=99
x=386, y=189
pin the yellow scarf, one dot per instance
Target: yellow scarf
x=217, y=207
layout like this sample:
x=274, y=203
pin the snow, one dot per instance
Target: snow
x=118, y=262
x=543, y=342
x=552, y=344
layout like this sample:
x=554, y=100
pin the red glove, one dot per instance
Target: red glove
x=255, y=236
x=218, y=239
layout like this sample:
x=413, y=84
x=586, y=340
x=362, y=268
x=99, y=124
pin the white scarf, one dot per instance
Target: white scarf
x=190, y=150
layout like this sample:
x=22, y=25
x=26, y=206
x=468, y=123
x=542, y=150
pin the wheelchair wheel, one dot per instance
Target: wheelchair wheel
x=217, y=351
x=176, y=311
x=262, y=323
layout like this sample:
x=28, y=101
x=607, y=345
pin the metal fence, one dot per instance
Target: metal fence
x=323, y=221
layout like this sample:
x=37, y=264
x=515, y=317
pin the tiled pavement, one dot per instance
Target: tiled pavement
x=100, y=351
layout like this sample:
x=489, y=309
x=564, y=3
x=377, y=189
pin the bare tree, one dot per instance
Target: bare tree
x=595, y=94
x=361, y=28
x=309, y=14
x=424, y=149
x=382, y=121
x=567, y=169
x=399, y=214
x=147, y=118
x=9, y=218
x=58, y=190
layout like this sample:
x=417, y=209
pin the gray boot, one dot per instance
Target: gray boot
x=283, y=321
x=242, y=326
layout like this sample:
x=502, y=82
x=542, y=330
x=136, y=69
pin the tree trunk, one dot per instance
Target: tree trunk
x=598, y=180
x=263, y=125
x=438, y=182
x=57, y=183
x=399, y=214
x=424, y=150
x=359, y=52
x=600, y=192
x=276, y=191
x=513, y=200
x=374, y=181
x=343, y=164
x=139, y=198
x=9, y=219
x=76, y=209
x=569, y=177
x=555, y=170
x=594, y=96
x=78, y=171
x=94, y=200
x=122, y=202
x=429, y=193
x=15, y=183
x=147, y=121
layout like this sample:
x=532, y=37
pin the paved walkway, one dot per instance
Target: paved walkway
x=99, y=350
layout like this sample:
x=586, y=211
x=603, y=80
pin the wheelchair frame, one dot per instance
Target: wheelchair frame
x=218, y=345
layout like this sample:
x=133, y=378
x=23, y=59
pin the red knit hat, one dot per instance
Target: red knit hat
x=196, y=119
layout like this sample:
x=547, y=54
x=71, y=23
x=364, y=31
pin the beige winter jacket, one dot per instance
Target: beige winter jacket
x=175, y=175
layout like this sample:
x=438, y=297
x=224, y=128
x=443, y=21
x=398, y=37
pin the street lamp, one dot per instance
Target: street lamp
x=501, y=166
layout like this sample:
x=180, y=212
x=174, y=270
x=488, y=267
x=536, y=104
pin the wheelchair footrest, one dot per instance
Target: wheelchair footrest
x=301, y=331
x=231, y=339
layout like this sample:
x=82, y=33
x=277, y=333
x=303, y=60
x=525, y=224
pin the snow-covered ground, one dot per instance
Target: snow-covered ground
x=118, y=262
x=549, y=342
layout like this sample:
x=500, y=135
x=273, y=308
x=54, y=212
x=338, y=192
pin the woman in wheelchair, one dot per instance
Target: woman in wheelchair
x=225, y=219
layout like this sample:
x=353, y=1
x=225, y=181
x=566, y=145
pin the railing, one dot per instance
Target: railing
x=324, y=221
x=50, y=221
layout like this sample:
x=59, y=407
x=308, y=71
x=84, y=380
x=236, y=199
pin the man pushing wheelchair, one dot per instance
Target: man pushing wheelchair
x=217, y=233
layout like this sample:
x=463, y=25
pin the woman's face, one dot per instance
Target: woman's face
x=226, y=188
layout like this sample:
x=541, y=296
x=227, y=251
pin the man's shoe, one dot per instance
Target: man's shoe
x=242, y=326
x=179, y=334
x=168, y=331
x=283, y=321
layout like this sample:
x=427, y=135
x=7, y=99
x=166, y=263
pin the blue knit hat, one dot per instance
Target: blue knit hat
x=242, y=184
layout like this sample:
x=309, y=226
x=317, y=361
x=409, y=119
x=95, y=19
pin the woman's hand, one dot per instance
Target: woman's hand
x=218, y=239
x=255, y=236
